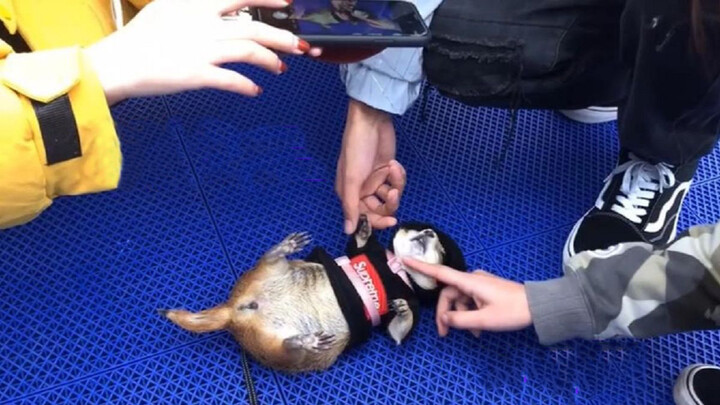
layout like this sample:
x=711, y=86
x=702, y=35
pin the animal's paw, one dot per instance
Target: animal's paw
x=297, y=241
x=293, y=243
x=400, y=307
x=364, y=230
x=402, y=322
x=314, y=342
x=321, y=341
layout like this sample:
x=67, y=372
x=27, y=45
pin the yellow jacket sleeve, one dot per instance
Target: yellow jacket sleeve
x=32, y=172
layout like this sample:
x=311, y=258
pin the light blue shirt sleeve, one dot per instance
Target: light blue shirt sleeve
x=391, y=80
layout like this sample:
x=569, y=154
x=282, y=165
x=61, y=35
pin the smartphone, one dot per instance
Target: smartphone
x=385, y=23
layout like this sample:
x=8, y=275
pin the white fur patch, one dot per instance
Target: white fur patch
x=432, y=253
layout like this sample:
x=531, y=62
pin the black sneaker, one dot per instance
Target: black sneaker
x=698, y=384
x=640, y=202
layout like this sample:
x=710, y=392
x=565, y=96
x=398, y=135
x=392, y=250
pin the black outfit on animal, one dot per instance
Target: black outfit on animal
x=350, y=302
x=567, y=54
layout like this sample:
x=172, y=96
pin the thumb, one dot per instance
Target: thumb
x=466, y=320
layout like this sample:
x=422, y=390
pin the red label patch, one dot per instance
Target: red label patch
x=372, y=282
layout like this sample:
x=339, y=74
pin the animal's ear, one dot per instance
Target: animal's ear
x=209, y=320
x=454, y=257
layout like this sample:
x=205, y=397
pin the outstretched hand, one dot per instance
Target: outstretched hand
x=172, y=46
x=476, y=301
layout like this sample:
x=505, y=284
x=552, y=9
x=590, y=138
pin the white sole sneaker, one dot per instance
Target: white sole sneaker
x=684, y=391
x=592, y=115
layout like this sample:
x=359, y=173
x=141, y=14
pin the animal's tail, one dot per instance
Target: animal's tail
x=209, y=320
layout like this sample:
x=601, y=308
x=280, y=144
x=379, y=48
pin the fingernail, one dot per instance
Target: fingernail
x=303, y=45
x=288, y=1
x=348, y=227
x=258, y=91
x=444, y=318
x=283, y=67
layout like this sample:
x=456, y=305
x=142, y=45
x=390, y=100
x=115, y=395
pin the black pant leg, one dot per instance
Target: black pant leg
x=672, y=110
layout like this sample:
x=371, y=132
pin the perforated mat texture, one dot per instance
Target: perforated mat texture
x=212, y=180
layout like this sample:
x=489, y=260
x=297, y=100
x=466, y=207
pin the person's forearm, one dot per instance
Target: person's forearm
x=633, y=290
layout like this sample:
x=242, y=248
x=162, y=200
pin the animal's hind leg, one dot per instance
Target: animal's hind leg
x=313, y=351
x=314, y=342
x=363, y=231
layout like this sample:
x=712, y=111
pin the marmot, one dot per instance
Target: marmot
x=300, y=315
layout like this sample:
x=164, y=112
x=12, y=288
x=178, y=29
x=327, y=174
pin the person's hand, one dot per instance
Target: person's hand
x=173, y=45
x=369, y=180
x=476, y=301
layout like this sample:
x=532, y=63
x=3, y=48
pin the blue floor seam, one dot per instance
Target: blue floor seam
x=216, y=229
x=202, y=193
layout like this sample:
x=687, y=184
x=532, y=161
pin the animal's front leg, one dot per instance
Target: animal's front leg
x=402, y=322
x=293, y=243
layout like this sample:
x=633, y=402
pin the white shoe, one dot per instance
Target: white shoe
x=698, y=384
x=592, y=115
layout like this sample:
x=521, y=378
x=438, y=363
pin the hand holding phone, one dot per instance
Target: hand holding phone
x=357, y=23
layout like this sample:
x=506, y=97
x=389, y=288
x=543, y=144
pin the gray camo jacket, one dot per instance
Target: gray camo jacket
x=632, y=290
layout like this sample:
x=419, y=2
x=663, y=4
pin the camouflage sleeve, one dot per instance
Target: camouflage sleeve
x=633, y=290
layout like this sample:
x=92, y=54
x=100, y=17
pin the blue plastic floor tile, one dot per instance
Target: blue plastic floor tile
x=83, y=282
x=212, y=180
x=550, y=174
x=202, y=373
x=709, y=168
x=703, y=201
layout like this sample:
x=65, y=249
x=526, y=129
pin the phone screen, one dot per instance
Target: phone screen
x=346, y=18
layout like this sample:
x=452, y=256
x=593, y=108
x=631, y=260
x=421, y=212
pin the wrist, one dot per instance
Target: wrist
x=113, y=79
x=559, y=310
x=524, y=312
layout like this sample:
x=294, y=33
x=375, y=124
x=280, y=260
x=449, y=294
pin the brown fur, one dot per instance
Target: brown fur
x=284, y=313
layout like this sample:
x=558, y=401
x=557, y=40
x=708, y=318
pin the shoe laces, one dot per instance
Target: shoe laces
x=641, y=183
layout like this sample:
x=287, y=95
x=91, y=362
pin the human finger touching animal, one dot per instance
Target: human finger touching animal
x=476, y=301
